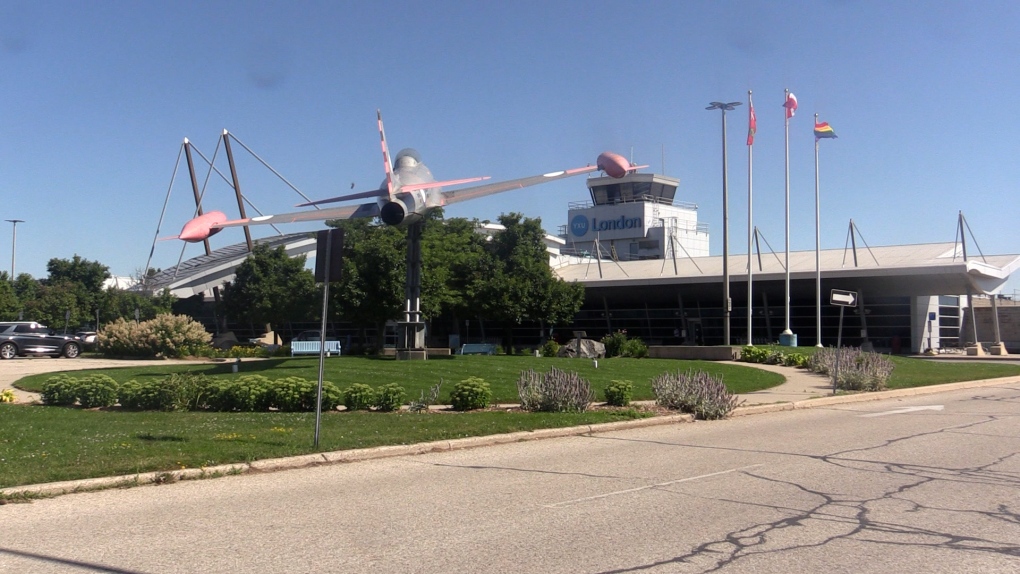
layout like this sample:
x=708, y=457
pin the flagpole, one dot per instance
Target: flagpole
x=818, y=267
x=787, y=337
x=750, y=204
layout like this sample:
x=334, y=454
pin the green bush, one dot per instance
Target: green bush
x=772, y=356
x=550, y=348
x=132, y=395
x=614, y=343
x=389, y=397
x=470, y=394
x=60, y=390
x=749, y=354
x=619, y=393
x=634, y=348
x=174, y=392
x=295, y=394
x=247, y=393
x=243, y=352
x=97, y=391
x=358, y=396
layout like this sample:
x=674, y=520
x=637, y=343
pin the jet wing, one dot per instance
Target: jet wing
x=467, y=193
x=347, y=212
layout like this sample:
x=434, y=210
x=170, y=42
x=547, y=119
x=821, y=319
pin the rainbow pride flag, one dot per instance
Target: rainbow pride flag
x=824, y=130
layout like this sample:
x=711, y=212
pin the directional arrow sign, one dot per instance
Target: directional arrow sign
x=843, y=298
x=904, y=410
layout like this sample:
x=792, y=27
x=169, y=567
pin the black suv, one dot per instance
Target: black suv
x=29, y=338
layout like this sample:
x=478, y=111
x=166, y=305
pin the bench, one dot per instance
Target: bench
x=477, y=349
x=312, y=348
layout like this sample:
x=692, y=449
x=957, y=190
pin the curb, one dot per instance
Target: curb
x=373, y=453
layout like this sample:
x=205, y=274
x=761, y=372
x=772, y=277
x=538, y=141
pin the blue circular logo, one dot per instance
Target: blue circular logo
x=579, y=225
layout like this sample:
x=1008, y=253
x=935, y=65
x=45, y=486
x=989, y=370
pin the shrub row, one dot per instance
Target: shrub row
x=386, y=398
x=184, y=392
x=772, y=356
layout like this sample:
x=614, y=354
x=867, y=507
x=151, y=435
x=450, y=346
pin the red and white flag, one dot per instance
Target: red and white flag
x=790, y=105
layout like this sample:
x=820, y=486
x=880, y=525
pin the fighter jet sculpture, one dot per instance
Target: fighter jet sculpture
x=403, y=199
x=405, y=196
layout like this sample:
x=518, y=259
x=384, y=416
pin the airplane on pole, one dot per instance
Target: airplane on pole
x=405, y=196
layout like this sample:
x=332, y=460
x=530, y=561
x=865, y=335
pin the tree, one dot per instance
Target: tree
x=83, y=279
x=118, y=303
x=451, y=254
x=515, y=283
x=9, y=304
x=56, y=306
x=26, y=288
x=371, y=289
x=270, y=288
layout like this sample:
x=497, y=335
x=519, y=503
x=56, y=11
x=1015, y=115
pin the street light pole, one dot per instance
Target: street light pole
x=727, y=304
x=14, y=243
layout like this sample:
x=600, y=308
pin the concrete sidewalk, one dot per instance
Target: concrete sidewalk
x=800, y=384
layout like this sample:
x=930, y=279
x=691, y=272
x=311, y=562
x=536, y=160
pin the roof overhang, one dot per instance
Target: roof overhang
x=201, y=274
x=924, y=269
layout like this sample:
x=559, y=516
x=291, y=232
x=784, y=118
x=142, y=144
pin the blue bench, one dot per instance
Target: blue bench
x=477, y=349
x=312, y=348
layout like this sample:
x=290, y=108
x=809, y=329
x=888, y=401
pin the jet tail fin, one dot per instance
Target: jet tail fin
x=387, y=164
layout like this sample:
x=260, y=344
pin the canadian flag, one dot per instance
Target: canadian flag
x=790, y=105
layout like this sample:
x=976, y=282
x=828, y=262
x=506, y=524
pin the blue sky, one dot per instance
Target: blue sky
x=97, y=98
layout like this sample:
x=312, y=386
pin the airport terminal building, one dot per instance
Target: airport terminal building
x=644, y=261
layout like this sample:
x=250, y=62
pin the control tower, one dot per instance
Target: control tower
x=636, y=217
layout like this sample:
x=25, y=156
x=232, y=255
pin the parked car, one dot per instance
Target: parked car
x=88, y=338
x=21, y=338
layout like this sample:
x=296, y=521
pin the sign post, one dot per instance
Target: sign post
x=843, y=299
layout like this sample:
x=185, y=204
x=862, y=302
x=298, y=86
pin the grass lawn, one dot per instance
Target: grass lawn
x=46, y=444
x=911, y=372
x=501, y=372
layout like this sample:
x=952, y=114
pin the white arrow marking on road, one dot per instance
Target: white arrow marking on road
x=904, y=410
x=847, y=298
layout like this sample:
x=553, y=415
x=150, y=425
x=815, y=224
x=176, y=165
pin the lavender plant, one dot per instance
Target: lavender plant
x=424, y=401
x=555, y=391
x=854, y=369
x=694, y=392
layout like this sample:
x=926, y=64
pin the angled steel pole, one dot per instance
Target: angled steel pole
x=237, y=188
x=727, y=303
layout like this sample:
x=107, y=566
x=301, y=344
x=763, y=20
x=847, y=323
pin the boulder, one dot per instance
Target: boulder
x=590, y=349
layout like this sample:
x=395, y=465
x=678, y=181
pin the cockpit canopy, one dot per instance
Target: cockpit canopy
x=407, y=157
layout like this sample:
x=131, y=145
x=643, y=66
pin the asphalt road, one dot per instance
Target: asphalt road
x=925, y=484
